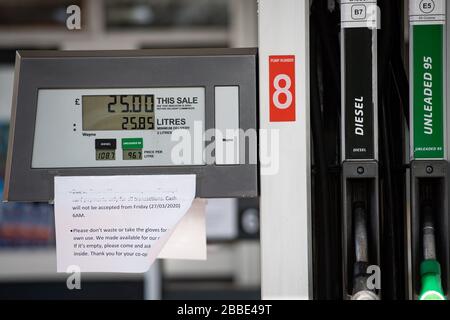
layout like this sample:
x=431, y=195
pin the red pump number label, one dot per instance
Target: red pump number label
x=282, y=88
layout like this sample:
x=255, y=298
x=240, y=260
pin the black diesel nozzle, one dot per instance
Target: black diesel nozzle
x=361, y=289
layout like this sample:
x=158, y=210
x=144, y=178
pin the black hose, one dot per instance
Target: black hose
x=331, y=47
x=394, y=103
x=320, y=157
x=401, y=84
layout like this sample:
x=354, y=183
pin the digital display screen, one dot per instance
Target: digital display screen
x=132, y=154
x=116, y=127
x=118, y=112
x=102, y=155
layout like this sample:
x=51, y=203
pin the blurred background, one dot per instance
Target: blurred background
x=27, y=244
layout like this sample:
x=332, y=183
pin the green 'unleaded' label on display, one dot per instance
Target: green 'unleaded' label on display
x=428, y=95
x=132, y=143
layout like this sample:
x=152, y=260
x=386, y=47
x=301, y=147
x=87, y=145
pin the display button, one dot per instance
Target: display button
x=227, y=125
x=105, y=144
x=132, y=143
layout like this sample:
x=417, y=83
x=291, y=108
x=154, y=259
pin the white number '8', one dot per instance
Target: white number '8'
x=282, y=90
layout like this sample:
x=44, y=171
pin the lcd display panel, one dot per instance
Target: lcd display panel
x=118, y=112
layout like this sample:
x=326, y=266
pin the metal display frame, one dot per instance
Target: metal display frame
x=99, y=69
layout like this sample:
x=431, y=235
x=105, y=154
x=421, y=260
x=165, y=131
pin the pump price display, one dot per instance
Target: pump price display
x=117, y=127
x=102, y=155
x=118, y=112
x=132, y=155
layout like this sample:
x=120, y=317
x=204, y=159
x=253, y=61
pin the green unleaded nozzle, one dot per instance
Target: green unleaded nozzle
x=430, y=271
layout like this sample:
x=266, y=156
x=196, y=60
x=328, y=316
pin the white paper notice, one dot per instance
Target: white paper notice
x=118, y=223
x=188, y=240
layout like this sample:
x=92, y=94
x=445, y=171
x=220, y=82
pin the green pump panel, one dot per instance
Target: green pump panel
x=429, y=166
x=427, y=67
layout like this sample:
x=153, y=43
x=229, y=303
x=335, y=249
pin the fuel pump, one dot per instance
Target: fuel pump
x=360, y=172
x=429, y=159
